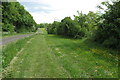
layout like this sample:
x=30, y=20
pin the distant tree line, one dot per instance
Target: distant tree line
x=102, y=28
x=82, y=26
x=16, y=19
x=41, y=25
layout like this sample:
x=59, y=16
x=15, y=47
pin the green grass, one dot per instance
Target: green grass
x=0, y=61
x=6, y=34
x=37, y=61
x=10, y=50
x=0, y=34
x=83, y=58
x=52, y=56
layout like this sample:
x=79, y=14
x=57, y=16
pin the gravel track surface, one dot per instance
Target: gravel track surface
x=12, y=38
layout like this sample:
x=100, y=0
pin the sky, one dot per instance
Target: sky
x=47, y=11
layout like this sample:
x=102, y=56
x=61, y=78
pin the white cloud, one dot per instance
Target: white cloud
x=58, y=9
x=41, y=17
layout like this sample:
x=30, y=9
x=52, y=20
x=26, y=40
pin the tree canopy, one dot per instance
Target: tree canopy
x=16, y=18
x=108, y=32
x=103, y=28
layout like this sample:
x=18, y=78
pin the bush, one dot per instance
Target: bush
x=108, y=32
x=111, y=42
x=67, y=27
x=7, y=27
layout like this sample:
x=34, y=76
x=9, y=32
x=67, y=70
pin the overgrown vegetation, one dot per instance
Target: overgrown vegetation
x=82, y=58
x=77, y=51
x=102, y=28
x=16, y=18
x=82, y=26
x=108, y=32
x=41, y=25
x=53, y=56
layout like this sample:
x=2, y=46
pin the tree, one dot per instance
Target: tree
x=67, y=27
x=108, y=32
x=87, y=22
x=16, y=18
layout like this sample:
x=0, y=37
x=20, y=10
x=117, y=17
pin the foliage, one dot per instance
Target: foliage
x=88, y=22
x=42, y=25
x=82, y=25
x=103, y=28
x=8, y=27
x=67, y=27
x=16, y=18
x=108, y=32
x=56, y=56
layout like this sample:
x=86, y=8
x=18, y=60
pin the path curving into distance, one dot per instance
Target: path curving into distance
x=13, y=38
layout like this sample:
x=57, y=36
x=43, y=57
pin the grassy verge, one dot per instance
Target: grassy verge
x=10, y=50
x=84, y=59
x=52, y=56
x=4, y=34
x=0, y=34
x=37, y=61
x=0, y=61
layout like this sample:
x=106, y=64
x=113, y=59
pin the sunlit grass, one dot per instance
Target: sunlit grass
x=10, y=50
x=52, y=56
x=36, y=61
x=0, y=61
x=82, y=58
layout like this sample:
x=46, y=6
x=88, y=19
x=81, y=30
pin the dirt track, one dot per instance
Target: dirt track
x=12, y=38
